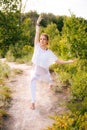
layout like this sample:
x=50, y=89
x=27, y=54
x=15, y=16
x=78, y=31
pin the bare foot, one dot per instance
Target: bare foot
x=32, y=106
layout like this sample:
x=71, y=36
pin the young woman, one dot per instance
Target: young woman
x=42, y=59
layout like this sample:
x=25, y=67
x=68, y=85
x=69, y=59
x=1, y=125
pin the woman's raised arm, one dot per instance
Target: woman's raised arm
x=37, y=30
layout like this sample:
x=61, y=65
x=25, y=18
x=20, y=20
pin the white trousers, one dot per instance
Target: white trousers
x=37, y=73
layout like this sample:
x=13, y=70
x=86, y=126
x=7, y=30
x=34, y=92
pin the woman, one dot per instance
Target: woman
x=42, y=59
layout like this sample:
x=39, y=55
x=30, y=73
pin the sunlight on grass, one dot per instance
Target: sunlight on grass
x=5, y=92
x=17, y=71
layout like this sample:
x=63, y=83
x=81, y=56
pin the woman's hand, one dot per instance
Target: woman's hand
x=71, y=61
x=39, y=20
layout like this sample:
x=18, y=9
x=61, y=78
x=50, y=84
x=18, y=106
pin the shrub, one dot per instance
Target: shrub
x=4, y=70
x=69, y=121
x=79, y=85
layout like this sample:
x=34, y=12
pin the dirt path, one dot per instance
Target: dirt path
x=21, y=116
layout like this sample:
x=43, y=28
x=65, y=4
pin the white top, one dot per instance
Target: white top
x=43, y=58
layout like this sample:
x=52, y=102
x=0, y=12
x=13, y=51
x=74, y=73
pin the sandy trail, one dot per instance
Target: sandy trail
x=21, y=116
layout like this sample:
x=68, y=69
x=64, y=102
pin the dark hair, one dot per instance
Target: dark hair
x=46, y=35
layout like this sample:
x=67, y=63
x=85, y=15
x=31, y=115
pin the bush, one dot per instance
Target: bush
x=19, y=54
x=4, y=70
x=5, y=92
x=69, y=121
x=79, y=85
x=75, y=105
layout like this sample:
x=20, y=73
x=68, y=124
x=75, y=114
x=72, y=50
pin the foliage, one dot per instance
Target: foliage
x=65, y=72
x=51, y=30
x=17, y=71
x=79, y=89
x=50, y=18
x=79, y=85
x=3, y=114
x=19, y=53
x=9, y=5
x=74, y=31
x=4, y=70
x=5, y=92
x=5, y=97
x=80, y=105
x=9, y=24
x=28, y=31
x=69, y=121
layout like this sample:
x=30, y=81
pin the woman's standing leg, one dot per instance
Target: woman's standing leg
x=33, y=90
x=34, y=78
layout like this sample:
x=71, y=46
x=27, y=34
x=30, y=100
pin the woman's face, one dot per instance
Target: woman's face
x=43, y=40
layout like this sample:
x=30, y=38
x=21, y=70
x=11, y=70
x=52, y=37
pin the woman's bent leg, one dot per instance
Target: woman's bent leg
x=49, y=79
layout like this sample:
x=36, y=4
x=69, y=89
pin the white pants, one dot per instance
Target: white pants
x=37, y=73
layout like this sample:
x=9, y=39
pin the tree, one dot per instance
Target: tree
x=9, y=24
x=74, y=31
x=28, y=32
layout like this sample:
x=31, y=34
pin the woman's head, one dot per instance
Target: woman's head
x=44, y=38
x=45, y=35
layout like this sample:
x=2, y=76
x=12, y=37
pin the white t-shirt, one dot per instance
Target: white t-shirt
x=43, y=58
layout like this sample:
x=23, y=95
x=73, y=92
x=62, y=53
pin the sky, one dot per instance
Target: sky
x=57, y=7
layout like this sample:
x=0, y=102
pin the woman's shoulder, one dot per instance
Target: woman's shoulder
x=49, y=51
